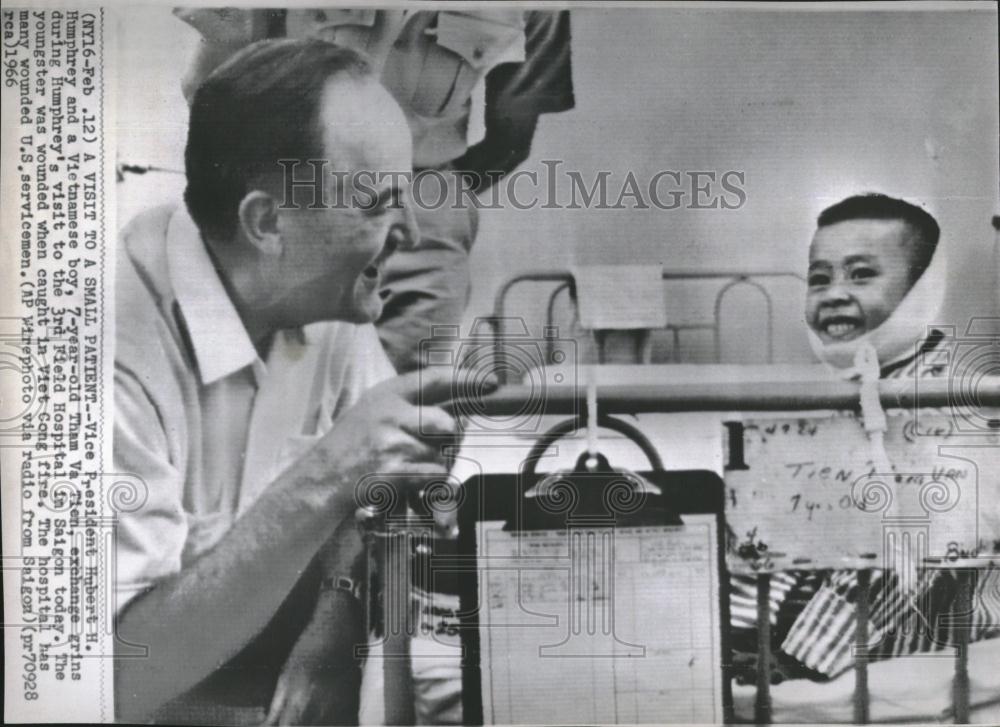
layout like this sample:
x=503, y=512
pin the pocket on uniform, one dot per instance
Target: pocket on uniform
x=480, y=41
x=467, y=46
x=348, y=27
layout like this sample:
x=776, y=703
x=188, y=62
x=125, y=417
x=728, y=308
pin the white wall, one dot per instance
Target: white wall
x=812, y=106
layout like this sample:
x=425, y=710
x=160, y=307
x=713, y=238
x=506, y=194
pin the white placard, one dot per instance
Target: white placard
x=813, y=496
x=620, y=297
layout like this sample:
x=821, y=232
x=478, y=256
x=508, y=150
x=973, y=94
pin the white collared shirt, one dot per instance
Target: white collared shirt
x=202, y=421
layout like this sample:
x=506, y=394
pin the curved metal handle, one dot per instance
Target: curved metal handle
x=603, y=421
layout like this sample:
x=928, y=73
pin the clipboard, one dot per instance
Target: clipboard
x=500, y=500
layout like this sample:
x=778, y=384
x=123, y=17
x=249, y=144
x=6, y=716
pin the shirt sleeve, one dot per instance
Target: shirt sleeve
x=370, y=365
x=152, y=530
x=543, y=83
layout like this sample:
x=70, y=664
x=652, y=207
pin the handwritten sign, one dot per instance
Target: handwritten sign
x=809, y=493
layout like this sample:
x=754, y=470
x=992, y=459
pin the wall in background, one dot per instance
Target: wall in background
x=810, y=106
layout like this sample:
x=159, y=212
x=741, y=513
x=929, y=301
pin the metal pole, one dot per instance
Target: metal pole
x=962, y=620
x=398, y=622
x=762, y=705
x=862, y=698
x=996, y=264
x=723, y=397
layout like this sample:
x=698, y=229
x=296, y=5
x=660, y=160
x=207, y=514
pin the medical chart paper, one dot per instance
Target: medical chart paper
x=566, y=639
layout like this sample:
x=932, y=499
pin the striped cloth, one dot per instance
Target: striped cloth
x=743, y=597
x=818, y=614
x=822, y=637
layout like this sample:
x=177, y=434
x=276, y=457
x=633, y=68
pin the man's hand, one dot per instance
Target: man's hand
x=394, y=428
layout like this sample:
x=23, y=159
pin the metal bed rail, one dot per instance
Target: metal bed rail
x=726, y=397
x=861, y=697
x=565, y=282
x=790, y=396
x=966, y=573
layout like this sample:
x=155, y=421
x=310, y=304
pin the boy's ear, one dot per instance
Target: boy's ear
x=258, y=216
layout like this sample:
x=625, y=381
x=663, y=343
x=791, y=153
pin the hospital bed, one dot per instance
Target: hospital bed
x=683, y=418
x=681, y=408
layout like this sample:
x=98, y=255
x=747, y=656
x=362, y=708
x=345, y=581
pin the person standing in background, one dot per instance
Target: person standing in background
x=472, y=84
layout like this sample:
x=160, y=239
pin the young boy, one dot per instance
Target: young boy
x=875, y=279
x=871, y=282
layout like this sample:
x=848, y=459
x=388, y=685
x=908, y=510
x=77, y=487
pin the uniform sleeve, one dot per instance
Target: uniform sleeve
x=152, y=530
x=224, y=31
x=228, y=26
x=543, y=83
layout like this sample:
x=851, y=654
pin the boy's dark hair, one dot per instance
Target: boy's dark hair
x=874, y=206
x=260, y=106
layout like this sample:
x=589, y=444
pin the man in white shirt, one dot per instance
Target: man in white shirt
x=245, y=353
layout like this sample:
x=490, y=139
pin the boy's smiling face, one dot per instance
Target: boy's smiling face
x=859, y=271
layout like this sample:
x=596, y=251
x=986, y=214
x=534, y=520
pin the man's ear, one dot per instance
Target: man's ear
x=258, y=216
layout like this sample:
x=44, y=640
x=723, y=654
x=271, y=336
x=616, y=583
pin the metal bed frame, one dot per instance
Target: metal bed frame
x=798, y=396
x=565, y=282
x=747, y=397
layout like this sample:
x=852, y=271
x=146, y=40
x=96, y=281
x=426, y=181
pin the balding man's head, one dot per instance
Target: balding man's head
x=261, y=106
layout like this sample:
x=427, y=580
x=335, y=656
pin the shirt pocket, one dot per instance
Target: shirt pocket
x=352, y=28
x=467, y=46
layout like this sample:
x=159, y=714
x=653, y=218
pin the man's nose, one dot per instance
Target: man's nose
x=405, y=232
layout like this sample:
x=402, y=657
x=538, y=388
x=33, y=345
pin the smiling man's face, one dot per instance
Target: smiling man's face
x=331, y=266
x=859, y=271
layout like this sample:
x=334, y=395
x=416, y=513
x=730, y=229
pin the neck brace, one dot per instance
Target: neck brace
x=900, y=333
